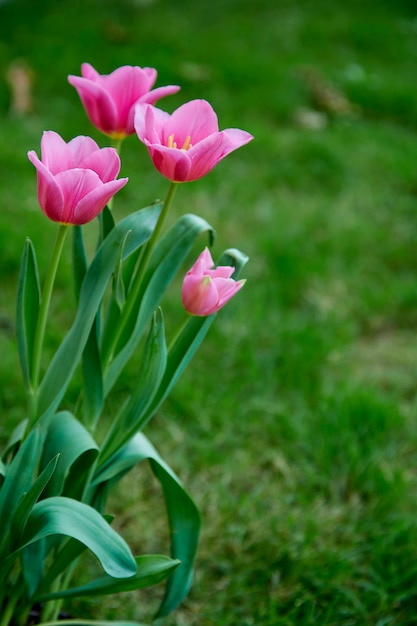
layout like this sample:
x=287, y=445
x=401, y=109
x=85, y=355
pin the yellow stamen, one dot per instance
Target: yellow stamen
x=187, y=143
x=171, y=142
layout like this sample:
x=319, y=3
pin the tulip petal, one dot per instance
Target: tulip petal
x=156, y=94
x=56, y=155
x=199, y=295
x=94, y=202
x=97, y=102
x=88, y=71
x=173, y=164
x=195, y=119
x=206, y=154
x=50, y=196
x=80, y=148
x=149, y=123
x=105, y=162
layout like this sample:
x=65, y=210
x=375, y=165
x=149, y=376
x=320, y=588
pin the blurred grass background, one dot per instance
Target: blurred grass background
x=295, y=427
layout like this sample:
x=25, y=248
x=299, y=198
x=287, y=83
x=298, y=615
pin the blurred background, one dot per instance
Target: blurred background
x=294, y=428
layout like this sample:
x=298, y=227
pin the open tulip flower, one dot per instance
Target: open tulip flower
x=186, y=145
x=207, y=289
x=75, y=179
x=110, y=99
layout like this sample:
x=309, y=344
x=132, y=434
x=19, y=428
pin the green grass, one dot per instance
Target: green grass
x=295, y=427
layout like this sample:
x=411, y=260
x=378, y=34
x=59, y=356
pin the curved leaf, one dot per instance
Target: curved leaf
x=151, y=570
x=65, y=516
x=183, y=515
x=77, y=451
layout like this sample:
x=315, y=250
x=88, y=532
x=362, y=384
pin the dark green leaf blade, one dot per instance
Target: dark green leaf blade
x=151, y=570
x=27, y=310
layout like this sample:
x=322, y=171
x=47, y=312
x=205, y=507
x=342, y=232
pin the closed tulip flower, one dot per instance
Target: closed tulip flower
x=186, y=145
x=76, y=179
x=110, y=99
x=207, y=289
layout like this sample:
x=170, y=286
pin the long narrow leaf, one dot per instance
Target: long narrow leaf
x=152, y=368
x=183, y=515
x=28, y=300
x=166, y=260
x=93, y=289
x=19, y=478
x=151, y=570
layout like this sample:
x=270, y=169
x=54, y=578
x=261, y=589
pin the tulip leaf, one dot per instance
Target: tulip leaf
x=28, y=302
x=118, y=282
x=19, y=478
x=151, y=570
x=183, y=515
x=165, y=261
x=28, y=500
x=106, y=221
x=15, y=438
x=33, y=564
x=79, y=259
x=65, y=516
x=92, y=378
x=130, y=418
x=77, y=450
x=93, y=288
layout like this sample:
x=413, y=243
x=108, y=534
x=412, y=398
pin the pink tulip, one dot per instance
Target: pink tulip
x=109, y=100
x=206, y=290
x=75, y=179
x=186, y=145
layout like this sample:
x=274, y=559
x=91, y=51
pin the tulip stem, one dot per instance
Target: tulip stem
x=43, y=315
x=145, y=255
x=179, y=330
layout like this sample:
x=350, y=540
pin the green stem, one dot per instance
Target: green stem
x=179, y=330
x=43, y=316
x=9, y=610
x=146, y=253
x=116, y=144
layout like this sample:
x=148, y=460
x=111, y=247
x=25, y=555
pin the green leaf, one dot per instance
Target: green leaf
x=65, y=516
x=106, y=221
x=33, y=564
x=79, y=259
x=15, y=438
x=28, y=500
x=19, y=478
x=93, y=288
x=166, y=260
x=152, y=367
x=118, y=281
x=92, y=378
x=183, y=515
x=151, y=570
x=28, y=301
x=77, y=450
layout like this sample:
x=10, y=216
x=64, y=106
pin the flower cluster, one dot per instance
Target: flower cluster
x=58, y=469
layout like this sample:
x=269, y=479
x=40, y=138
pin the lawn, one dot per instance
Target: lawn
x=295, y=427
